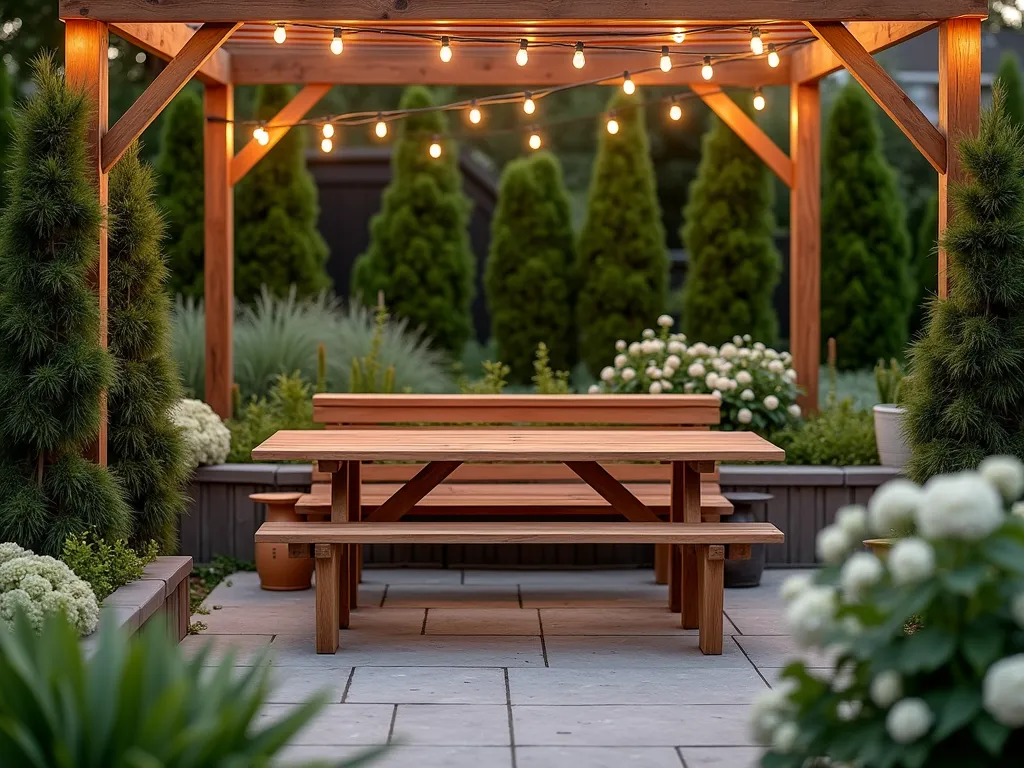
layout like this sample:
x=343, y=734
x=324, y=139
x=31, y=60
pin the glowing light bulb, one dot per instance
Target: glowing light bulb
x=773, y=56
x=666, y=61
x=261, y=136
x=758, y=100
x=475, y=115
x=627, y=84
x=578, y=59
x=381, y=128
x=521, y=55
x=446, y=50
x=337, y=44
x=529, y=105
x=328, y=130
x=435, y=148
x=675, y=112
x=612, y=125
x=707, y=71
x=326, y=145
x=756, y=43
x=535, y=140
x=280, y=34
x=678, y=37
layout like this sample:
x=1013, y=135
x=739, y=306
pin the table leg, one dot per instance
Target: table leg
x=355, y=513
x=328, y=570
x=662, y=553
x=712, y=597
x=340, y=513
x=685, y=508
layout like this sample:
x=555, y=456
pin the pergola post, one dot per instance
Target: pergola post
x=959, y=109
x=805, y=238
x=218, y=150
x=86, y=69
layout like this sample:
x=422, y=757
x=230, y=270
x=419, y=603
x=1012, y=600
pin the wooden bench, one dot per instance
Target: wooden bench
x=713, y=544
x=518, y=491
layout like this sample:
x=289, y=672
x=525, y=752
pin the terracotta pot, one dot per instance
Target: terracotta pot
x=892, y=444
x=277, y=571
x=879, y=547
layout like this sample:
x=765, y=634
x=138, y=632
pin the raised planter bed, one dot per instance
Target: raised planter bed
x=223, y=521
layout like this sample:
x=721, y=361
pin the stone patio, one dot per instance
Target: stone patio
x=523, y=669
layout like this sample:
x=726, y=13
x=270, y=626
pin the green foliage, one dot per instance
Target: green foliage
x=494, y=381
x=734, y=265
x=277, y=243
x=106, y=566
x=965, y=392
x=1009, y=79
x=841, y=435
x=6, y=126
x=622, y=259
x=530, y=276
x=367, y=376
x=889, y=381
x=419, y=253
x=545, y=380
x=926, y=264
x=52, y=370
x=146, y=450
x=289, y=405
x=179, y=169
x=867, y=292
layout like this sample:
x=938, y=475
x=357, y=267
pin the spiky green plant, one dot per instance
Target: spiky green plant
x=52, y=368
x=889, y=381
x=145, y=447
x=494, y=380
x=367, y=373
x=6, y=124
x=545, y=380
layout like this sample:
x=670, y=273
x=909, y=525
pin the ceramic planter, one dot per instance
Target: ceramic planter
x=892, y=444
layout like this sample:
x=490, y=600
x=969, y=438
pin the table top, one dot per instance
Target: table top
x=515, y=444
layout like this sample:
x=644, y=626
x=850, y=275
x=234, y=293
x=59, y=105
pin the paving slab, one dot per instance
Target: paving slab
x=758, y=621
x=482, y=621
x=597, y=757
x=617, y=577
x=776, y=651
x=407, y=756
x=451, y=596
x=639, y=652
x=453, y=725
x=337, y=724
x=380, y=576
x=244, y=650
x=294, y=685
x=436, y=685
x=411, y=650
x=594, y=596
x=721, y=757
x=652, y=620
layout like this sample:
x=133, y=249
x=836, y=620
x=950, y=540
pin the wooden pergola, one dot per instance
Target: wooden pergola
x=225, y=43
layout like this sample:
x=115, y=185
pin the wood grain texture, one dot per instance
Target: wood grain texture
x=612, y=491
x=805, y=240
x=355, y=510
x=339, y=494
x=86, y=67
x=471, y=444
x=513, y=533
x=219, y=251
x=165, y=86
x=884, y=90
x=534, y=474
x=519, y=11
x=730, y=113
x=816, y=60
x=328, y=570
x=277, y=128
x=165, y=41
x=712, y=597
x=412, y=492
x=959, y=113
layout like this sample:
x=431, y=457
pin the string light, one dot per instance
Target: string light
x=535, y=141
x=612, y=124
x=678, y=37
x=521, y=55
x=326, y=145
x=446, y=49
x=280, y=34
x=529, y=106
x=758, y=100
x=707, y=71
x=675, y=112
x=666, y=60
x=756, y=43
x=337, y=44
x=474, y=113
x=773, y=56
x=578, y=59
x=381, y=128
x=328, y=130
x=435, y=148
x=261, y=135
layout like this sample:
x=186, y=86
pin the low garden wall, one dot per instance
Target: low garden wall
x=222, y=520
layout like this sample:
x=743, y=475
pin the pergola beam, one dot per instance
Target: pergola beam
x=885, y=91
x=277, y=128
x=520, y=12
x=816, y=60
x=172, y=78
x=165, y=41
x=760, y=143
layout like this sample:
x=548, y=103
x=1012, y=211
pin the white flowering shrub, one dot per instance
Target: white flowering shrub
x=756, y=384
x=207, y=439
x=928, y=643
x=40, y=586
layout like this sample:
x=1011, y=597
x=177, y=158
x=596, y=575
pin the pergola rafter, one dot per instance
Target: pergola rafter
x=394, y=42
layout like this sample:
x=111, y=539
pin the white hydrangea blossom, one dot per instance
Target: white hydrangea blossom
x=676, y=347
x=206, y=438
x=833, y=544
x=648, y=333
x=886, y=689
x=959, y=506
x=1006, y=473
x=785, y=738
x=795, y=585
x=620, y=361
x=747, y=395
x=794, y=411
x=812, y=614
x=628, y=374
x=849, y=709
x=655, y=388
x=607, y=373
x=911, y=560
x=776, y=366
x=893, y=507
x=620, y=345
x=744, y=416
x=1002, y=691
x=593, y=389
x=711, y=380
x=854, y=520
x=40, y=586
x=728, y=350
x=770, y=710
x=696, y=370
x=909, y=720
x=635, y=348
x=1017, y=609
x=744, y=378
x=665, y=321
x=771, y=402
x=860, y=572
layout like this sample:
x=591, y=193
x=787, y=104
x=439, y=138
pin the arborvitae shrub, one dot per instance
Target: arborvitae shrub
x=531, y=266
x=180, y=172
x=1013, y=89
x=277, y=243
x=419, y=253
x=734, y=265
x=52, y=368
x=866, y=289
x=925, y=270
x=145, y=448
x=6, y=125
x=622, y=258
x=965, y=392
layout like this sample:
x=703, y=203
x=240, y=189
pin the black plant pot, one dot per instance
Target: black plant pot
x=746, y=573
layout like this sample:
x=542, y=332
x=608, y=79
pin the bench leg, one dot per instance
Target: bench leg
x=712, y=597
x=344, y=585
x=355, y=513
x=661, y=557
x=328, y=569
x=675, y=578
x=689, y=586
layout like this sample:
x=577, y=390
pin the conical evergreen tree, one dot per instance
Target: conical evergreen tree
x=277, y=243
x=145, y=448
x=179, y=169
x=52, y=369
x=1013, y=89
x=865, y=250
x=531, y=265
x=419, y=253
x=6, y=126
x=965, y=393
x=734, y=265
x=622, y=258
x=926, y=264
